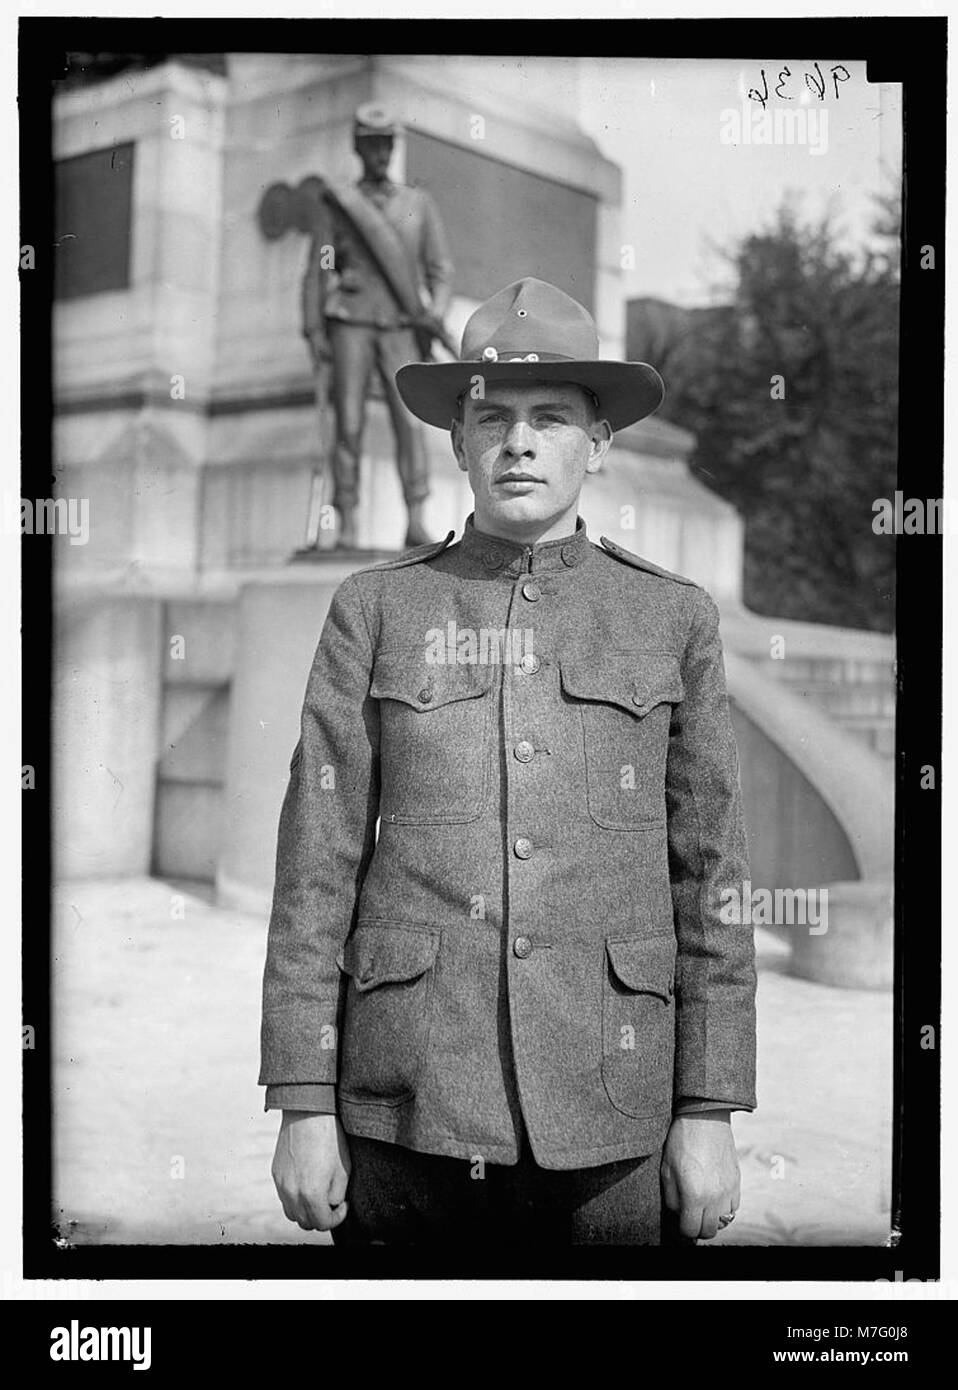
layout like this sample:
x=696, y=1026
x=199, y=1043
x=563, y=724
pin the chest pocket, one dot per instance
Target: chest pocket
x=436, y=738
x=625, y=700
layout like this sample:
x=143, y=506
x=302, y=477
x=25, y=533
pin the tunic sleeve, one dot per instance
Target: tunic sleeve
x=715, y=966
x=326, y=839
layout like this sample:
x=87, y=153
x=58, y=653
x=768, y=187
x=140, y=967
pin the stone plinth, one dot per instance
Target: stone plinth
x=857, y=950
x=278, y=627
x=106, y=728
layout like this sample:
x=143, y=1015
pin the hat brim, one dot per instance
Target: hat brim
x=626, y=391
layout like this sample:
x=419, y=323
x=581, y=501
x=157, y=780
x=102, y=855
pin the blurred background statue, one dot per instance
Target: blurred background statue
x=376, y=287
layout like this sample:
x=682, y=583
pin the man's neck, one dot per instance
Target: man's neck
x=535, y=534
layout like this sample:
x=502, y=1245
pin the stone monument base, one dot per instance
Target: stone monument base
x=857, y=950
x=279, y=622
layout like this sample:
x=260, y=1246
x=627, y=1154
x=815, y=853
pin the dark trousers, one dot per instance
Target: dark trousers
x=397, y=1196
x=357, y=350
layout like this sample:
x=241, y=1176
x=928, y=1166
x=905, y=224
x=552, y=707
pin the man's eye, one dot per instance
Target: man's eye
x=489, y=419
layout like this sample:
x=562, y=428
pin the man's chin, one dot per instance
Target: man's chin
x=525, y=507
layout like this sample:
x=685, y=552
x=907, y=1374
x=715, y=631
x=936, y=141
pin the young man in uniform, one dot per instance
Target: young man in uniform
x=511, y=1011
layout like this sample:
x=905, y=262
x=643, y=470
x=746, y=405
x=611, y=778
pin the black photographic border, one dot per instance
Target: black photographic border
x=909, y=51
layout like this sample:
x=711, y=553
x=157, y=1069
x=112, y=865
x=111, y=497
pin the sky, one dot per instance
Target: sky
x=684, y=133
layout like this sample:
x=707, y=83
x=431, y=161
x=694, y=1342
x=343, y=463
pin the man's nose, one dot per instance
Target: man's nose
x=520, y=442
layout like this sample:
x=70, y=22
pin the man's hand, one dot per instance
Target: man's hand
x=700, y=1172
x=311, y=1169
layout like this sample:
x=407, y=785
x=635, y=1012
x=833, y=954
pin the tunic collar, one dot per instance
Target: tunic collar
x=510, y=558
x=378, y=192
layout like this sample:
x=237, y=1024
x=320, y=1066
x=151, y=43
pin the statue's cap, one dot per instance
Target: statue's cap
x=373, y=119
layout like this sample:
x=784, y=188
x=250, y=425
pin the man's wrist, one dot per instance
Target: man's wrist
x=701, y=1105
x=716, y=1115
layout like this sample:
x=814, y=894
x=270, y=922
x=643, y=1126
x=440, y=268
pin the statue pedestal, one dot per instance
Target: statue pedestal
x=857, y=950
x=279, y=622
x=352, y=556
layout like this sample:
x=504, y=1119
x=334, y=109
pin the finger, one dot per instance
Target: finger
x=670, y=1191
x=710, y=1220
x=316, y=1214
x=690, y=1221
x=322, y=1216
x=289, y=1204
x=337, y=1188
x=294, y=1212
x=338, y=1215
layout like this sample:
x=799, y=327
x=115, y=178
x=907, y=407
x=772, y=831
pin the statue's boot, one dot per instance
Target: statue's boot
x=346, y=540
x=416, y=532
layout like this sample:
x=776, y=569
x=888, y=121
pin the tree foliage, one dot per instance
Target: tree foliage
x=804, y=470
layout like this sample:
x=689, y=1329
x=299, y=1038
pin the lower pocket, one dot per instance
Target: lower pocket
x=386, y=1014
x=638, y=1023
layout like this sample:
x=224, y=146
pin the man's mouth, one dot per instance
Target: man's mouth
x=517, y=478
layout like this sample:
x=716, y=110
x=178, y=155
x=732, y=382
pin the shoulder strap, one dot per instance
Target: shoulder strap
x=415, y=556
x=638, y=563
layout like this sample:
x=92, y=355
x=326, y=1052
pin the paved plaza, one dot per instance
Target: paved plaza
x=161, y=1136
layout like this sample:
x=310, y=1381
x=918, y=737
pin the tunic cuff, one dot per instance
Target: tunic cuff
x=694, y=1105
x=318, y=1097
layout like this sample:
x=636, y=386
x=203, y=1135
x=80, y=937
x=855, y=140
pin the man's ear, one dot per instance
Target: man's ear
x=601, y=434
x=457, y=449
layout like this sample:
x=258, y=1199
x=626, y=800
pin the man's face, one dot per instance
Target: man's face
x=375, y=151
x=527, y=449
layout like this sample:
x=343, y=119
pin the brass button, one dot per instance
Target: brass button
x=638, y=698
x=523, y=848
x=532, y=592
x=524, y=751
x=530, y=664
x=425, y=695
x=522, y=947
x=570, y=555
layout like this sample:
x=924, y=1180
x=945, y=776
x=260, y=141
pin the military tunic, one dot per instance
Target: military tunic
x=499, y=881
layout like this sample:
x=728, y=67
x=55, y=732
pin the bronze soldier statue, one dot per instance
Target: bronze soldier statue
x=376, y=288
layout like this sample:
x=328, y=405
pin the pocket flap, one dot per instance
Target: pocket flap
x=378, y=954
x=407, y=677
x=644, y=963
x=635, y=681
